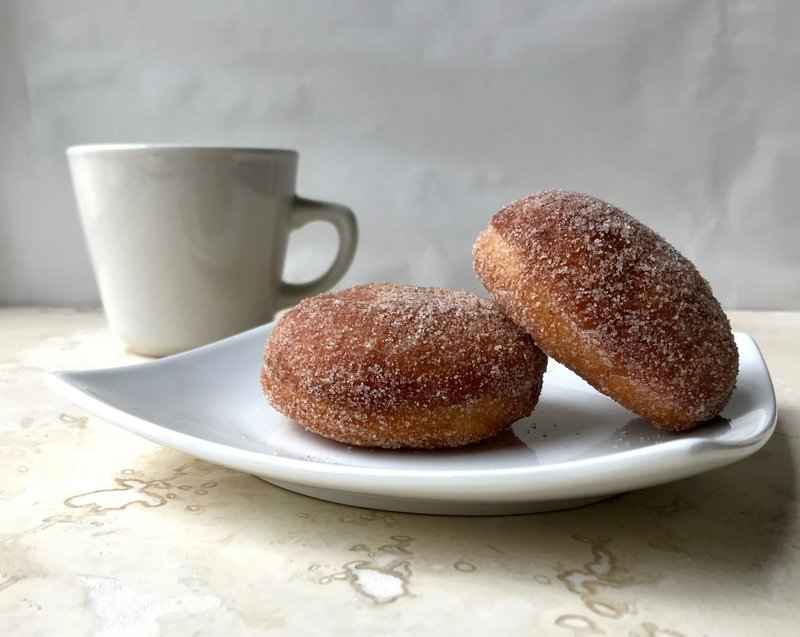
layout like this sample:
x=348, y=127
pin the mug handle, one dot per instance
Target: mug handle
x=304, y=211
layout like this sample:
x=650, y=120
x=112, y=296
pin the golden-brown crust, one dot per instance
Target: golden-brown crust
x=613, y=301
x=398, y=366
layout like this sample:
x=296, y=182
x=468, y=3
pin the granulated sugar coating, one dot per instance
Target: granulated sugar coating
x=613, y=301
x=387, y=365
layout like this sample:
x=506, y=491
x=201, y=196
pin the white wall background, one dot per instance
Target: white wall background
x=425, y=117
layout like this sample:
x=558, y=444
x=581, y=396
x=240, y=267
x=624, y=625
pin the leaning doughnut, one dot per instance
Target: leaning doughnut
x=613, y=301
x=384, y=365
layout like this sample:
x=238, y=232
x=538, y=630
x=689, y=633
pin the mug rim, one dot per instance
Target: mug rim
x=79, y=149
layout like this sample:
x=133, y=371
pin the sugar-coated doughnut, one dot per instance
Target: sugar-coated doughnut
x=383, y=365
x=613, y=301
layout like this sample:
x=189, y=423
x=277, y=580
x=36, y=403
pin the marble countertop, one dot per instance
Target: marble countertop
x=104, y=533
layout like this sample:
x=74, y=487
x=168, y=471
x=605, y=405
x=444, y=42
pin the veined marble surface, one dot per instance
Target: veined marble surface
x=103, y=533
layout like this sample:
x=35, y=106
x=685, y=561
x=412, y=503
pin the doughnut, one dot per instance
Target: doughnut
x=384, y=365
x=613, y=301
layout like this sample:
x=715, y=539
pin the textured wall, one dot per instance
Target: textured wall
x=425, y=117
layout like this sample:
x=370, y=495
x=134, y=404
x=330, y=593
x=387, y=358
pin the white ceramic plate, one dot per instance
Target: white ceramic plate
x=577, y=447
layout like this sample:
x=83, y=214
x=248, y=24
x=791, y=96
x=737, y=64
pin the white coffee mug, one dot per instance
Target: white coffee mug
x=188, y=243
